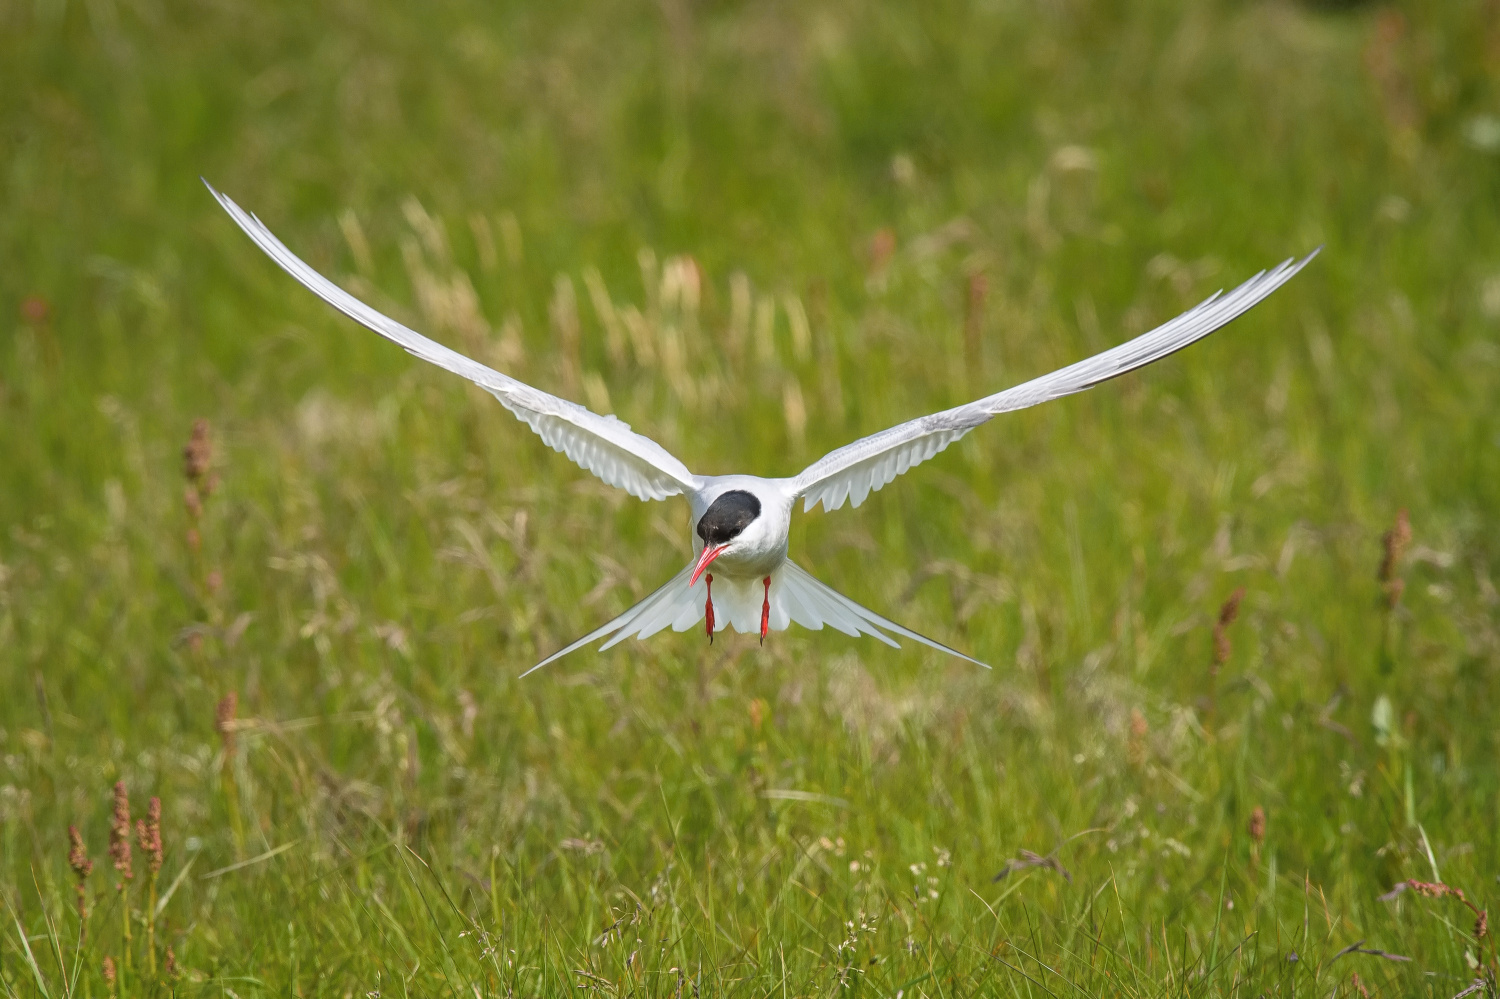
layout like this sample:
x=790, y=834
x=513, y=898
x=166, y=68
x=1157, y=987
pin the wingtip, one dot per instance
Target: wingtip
x=225, y=202
x=1291, y=265
x=971, y=659
x=538, y=666
x=940, y=647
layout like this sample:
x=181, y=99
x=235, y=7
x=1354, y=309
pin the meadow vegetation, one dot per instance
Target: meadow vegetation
x=266, y=582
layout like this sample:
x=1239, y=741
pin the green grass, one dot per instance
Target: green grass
x=391, y=549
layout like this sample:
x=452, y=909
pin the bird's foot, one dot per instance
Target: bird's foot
x=765, y=612
x=708, y=610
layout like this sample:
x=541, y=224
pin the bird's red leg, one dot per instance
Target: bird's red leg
x=765, y=612
x=708, y=610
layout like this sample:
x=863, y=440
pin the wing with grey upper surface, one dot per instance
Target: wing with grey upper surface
x=603, y=445
x=854, y=471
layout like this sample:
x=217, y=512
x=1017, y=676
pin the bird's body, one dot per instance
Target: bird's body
x=741, y=576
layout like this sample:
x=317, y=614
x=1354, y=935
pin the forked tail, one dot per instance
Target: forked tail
x=795, y=598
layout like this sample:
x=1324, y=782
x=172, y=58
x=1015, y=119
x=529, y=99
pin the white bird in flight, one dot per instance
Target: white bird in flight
x=741, y=522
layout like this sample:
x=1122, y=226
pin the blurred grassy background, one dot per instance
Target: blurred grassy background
x=755, y=231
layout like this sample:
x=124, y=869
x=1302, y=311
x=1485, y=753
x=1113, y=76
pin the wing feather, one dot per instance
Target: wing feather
x=854, y=471
x=603, y=445
x=796, y=597
x=813, y=604
x=665, y=607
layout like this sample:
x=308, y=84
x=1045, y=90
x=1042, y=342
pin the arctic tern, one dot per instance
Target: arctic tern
x=741, y=522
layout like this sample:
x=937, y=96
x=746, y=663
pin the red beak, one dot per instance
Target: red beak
x=710, y=552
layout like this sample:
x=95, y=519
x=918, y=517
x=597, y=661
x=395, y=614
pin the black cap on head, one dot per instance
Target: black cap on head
x=730, y=514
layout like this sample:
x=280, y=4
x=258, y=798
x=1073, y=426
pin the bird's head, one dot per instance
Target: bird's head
x=728, y=525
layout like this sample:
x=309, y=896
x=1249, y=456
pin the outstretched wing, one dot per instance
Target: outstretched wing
x=795, y=597
x=856, y=470
x=603, y=445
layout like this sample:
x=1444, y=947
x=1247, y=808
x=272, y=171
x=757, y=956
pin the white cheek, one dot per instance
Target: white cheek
x=759, y=539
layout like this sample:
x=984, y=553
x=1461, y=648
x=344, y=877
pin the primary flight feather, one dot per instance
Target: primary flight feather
x=741, y=522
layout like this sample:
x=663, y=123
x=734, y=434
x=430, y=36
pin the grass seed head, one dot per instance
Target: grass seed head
x=78, y=860
x=1435, y=889
x=1231, y=608
x=1394, y=542
x=1227, y=613
x=148, y=836
x=882, y=248
x=172, y=970
x=109, y=974
x=1135, y=748
x=78, y=855
x=1258, y=824
x=119, y=834
x=224, y=720
x=198, y=453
